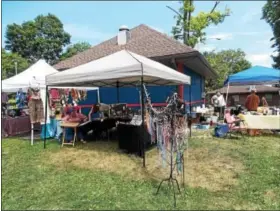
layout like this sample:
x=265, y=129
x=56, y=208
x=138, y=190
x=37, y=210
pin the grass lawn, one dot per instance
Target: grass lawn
x=220, y=174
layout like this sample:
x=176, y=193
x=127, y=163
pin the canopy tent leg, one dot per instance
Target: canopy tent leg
x=46, y=107
x=32, y=134
x=190, y=96
x=118, y=92
x=98, y=96
x=143, y=120
x=227, y=94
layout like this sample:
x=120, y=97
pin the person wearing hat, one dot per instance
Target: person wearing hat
x=252, y=101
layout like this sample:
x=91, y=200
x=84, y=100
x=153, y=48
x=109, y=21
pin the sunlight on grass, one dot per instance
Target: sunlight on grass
x=220, y=174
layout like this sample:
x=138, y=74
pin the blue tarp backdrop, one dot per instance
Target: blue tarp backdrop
x=255, y=75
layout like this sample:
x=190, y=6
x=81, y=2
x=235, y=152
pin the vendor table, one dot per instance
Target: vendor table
x=130, y=138
x=270, y=122
x=65, y=125
x=15, y=126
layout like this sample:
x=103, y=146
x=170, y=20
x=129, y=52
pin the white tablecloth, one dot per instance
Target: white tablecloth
x=270, y=122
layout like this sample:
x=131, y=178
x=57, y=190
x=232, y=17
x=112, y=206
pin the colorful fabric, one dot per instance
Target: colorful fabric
x=54, y=94
x=20, y=99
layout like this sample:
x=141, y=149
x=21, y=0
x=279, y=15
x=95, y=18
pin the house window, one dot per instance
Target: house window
x=268, y=97
x=236, y=98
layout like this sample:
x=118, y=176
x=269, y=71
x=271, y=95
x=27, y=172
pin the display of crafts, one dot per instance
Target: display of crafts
x=168, y=125
x=60, y=97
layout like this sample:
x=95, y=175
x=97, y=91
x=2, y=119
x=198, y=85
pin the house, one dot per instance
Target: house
x=237, y=94
x=150, y=43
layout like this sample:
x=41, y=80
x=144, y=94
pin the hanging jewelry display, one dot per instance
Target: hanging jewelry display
x=171, y=135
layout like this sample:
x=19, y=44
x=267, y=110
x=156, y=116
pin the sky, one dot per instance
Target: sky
x=98, y=21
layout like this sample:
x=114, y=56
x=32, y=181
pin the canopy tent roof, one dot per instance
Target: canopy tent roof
x=122, y=68
x=254, y=76
x=34, y=74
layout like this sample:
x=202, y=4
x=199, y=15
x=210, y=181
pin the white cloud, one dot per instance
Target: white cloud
x=260, y=59
x=86, y=32
x=222, y=36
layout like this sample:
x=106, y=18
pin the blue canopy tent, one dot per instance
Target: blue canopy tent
x=254, y=76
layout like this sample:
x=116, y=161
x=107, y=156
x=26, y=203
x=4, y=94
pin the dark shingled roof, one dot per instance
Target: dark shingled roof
x=144, y=41
x=245, y=89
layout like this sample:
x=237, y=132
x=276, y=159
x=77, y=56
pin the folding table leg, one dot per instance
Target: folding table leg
x=75, y=136
x=63, y=138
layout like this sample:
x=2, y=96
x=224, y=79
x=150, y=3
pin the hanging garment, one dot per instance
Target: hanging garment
x=54, y=94
x=160, y=144
x=59, y=130
x=36, y=110
x=20, y=99
x=179, y=162
x=4, y=97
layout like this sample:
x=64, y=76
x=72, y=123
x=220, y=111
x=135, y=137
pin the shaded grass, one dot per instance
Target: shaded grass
x=220, y=174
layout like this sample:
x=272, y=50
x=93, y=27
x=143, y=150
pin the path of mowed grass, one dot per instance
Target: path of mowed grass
x=34, y=178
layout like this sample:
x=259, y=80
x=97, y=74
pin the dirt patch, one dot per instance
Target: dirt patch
x=202, y=169
x=270, y=195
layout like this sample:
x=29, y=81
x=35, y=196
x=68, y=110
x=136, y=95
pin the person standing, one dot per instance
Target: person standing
x=219, y=103
x=252, y=101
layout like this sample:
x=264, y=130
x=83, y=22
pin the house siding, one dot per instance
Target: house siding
x=159, y=94
x=275, y=101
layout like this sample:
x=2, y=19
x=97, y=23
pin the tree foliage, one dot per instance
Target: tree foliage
x=271, y=13
x=225, y=63
x=191, y=29
x=41, y=38
x=74, y=49
x=8, y=68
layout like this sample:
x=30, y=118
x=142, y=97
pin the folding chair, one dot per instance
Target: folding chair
x=234, y=126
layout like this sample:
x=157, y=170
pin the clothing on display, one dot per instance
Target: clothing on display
x=171, y=131
x=34, y=93
x=4, y=97
x=54, y=94
x=20, y=99
x=36, y=110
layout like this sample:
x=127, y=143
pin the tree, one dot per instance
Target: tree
x=74, y=49
x=41, y=38
x=190, y=29
x=225, y=63
x=271, y=13
x=9, y=63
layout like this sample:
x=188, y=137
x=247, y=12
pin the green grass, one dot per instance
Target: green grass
x=34, y=178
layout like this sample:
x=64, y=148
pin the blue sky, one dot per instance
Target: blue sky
x=95, y=22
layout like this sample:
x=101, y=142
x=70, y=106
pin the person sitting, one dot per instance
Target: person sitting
x=252, y=101
x=91, y=126
x=231, y=120
x=264, y=102
x=73, y=115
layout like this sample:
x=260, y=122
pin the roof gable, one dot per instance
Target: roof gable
x=144, y=41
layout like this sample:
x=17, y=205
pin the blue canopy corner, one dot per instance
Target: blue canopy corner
x=254, y=76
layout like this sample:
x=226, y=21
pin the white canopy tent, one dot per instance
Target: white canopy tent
x=122, y=68
x=36, y=75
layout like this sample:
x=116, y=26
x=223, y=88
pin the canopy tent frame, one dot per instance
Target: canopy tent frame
x=132, y=81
